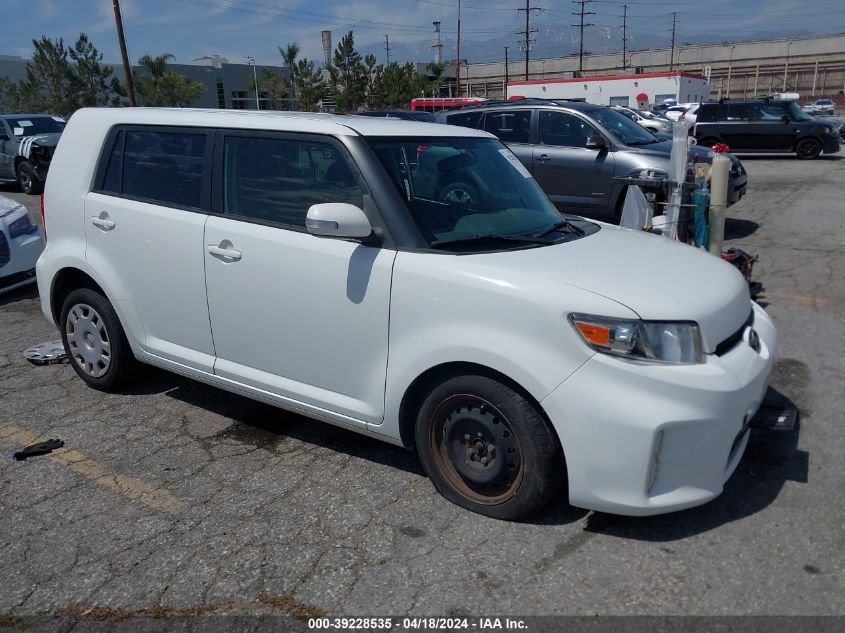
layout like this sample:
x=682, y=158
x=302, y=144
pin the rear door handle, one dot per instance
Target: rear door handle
x=102, y=222
x=544, y=158
x=221, y=252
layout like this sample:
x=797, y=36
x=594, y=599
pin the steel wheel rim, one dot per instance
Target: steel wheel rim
x=88, y=340
x=465, y=430
x=808, y=148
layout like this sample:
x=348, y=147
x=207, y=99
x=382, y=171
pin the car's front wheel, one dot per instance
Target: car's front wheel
x=487, y=448
x=808, y=149
x=94, y=340
x=27, y=179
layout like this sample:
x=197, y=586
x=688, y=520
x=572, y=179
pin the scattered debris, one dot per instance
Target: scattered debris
x=41, y=448
x=49, y=353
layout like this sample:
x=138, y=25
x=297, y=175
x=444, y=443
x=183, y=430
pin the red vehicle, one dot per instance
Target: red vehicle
x=435, y=104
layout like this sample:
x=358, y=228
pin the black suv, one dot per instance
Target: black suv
x=581, y=153
x=766, y=126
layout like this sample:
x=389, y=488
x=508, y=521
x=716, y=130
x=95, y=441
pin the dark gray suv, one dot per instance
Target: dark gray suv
x=579, y=152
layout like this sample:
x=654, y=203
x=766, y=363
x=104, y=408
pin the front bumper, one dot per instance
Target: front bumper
x=642, y=439
x=23, y=254
x=831, y=144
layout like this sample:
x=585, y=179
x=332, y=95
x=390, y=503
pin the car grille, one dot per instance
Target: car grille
x=733, y=340
x=5, y=253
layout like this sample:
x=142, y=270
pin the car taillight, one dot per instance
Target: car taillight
x=43, y=221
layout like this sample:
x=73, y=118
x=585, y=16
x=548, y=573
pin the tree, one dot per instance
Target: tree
x=159, y=85
x=289, y=54
x=272, y=83
x=348, y=75
x=48, y=86
x=309, y=85
x=398, y=84
x=436, y=70
x=93, y=84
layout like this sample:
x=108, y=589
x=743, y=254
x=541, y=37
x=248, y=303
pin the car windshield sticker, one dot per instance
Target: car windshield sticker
x=515, y=162
x=18, y=131
x=59, y=119
x=25, y=123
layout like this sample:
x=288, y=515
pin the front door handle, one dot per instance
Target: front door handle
x=103, y=222
x=544, y=158
x=222, y=251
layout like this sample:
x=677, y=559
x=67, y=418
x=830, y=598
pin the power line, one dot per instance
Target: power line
x=526, y=42
x=582, y=13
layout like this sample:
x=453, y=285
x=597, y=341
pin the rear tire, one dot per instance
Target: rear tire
x=27, y=179
x=808, y=149
x=487, y=448
x=94, y=340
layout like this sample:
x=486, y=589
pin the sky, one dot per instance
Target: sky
x=190, y=29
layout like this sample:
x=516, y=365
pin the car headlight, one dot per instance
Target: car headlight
x=677, y=343
x=21, y=226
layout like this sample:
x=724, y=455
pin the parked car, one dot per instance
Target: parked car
x=27, y=143
x=20, y=245
x=654, y=124
x=809, y=107
x=674, y=112
x=334, y=273
x=407, y=115
x=578, y=151
x=825, y=106
x=691, y=115
x=766, y=126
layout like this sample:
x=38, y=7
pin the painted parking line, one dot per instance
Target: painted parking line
x=129, y=487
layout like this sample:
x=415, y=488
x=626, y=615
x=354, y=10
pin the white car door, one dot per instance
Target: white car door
x=302, y=317
x=144, y=225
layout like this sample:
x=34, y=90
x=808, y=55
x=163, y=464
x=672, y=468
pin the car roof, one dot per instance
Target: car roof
x=29, y=116
x=307, y=122
x=580, y=106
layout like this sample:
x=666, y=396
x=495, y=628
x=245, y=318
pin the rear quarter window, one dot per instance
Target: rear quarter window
x=464, y=119
x=708, y=112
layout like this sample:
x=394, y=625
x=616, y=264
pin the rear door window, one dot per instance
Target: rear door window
x=742, y=112
x=511, y=126
x=464, y=119
x=276, y=180
x=164, y=167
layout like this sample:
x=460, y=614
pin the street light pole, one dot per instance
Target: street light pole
x=251, y=60
x=730, y=64
x=786, y=66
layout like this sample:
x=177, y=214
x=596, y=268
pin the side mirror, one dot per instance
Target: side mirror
x=337, y=219
x=595, y=142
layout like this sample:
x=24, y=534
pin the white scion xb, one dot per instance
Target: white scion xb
x=409, y=281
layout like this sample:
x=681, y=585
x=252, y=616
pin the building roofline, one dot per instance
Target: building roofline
x=606, y=78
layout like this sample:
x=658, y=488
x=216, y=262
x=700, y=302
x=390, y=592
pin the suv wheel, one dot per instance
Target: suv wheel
x=27, y=180
x=94, y=340
x=459, y=193
x=488, y=449
x=808, y=149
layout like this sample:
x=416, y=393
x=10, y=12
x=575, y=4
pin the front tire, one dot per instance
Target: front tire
x=27, y=179
x=487, y=448
x=808, y=149
x=94, y=340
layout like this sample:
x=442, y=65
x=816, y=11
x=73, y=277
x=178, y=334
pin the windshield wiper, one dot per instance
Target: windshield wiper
x=557, y=226
x=492, y=238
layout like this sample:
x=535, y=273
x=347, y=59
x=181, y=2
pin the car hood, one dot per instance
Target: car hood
x=657, y=278
x=663, y=149
x=46, y=140
x=8, y=207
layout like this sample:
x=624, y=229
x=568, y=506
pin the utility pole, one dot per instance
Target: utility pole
x=127, y=71
x=251, y=60
x=672, y=54
x=624, y=37
x=458, y=61
x=387, y=47
x=582, y=13
x=507, y=78
x=526, y=42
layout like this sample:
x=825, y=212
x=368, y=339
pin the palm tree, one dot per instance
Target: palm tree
x=155, y=77
x=289, y=54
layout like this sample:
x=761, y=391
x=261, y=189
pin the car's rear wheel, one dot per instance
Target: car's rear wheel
x=94, y=340
x=808, y=149
x=460, y=194
x=27, y=180
x=487, y=448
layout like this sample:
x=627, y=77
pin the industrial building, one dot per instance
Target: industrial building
x=811, y=66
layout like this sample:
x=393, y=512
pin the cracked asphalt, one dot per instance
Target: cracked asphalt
x=174, y=498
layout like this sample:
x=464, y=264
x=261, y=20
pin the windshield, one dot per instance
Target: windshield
x=460, y=188
x=29, y=126
x=624, y=129
x=797, y=113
